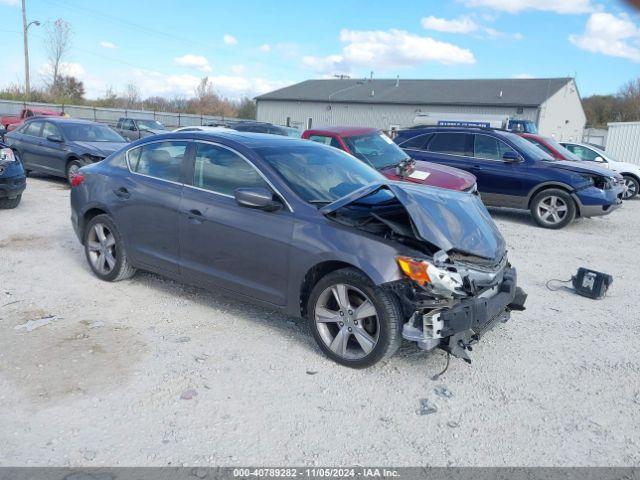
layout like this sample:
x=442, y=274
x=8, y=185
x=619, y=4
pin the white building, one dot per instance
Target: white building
x=552, y=103
x=623, y=141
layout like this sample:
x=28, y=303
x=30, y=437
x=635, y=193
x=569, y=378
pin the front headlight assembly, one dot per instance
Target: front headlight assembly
x=7, y=156
x=440, y=281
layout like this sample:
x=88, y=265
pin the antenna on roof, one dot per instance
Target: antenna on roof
x=398, y=81
x=371, y=76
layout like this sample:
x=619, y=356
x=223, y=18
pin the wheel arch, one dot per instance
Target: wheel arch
x=631, y=174
x=547, y=186
x=313, y=276
x=88, y=215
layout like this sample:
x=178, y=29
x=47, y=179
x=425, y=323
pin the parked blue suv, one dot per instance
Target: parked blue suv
x=514, y=173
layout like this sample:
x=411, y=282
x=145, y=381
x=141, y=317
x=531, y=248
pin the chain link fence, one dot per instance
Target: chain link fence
x=111, y=115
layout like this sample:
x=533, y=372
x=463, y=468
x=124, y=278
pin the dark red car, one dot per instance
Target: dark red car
x=376, y=149
x=551, y=146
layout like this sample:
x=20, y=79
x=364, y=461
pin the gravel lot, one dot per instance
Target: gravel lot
x=101, y=385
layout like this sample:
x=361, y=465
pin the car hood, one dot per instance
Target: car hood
x=624, y=166
x=103, y=149
x=449, y=220
x=436, y=175
x=579, y=167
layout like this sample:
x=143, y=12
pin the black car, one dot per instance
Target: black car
x=12, y=178
x=60, y=146
x=305, y=228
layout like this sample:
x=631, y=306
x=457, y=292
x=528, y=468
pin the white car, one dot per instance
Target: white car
x=629, y=171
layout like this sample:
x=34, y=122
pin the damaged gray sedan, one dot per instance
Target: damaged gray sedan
x=305, y=228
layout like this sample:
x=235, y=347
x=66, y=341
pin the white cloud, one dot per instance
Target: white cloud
x=608, y=34
x=265, y=48
x=238, y=69
x=197, y=62
x=107, y=45
x=66, y=68
x=516, y=6
x=387, y=49
x=230, y=39
x=11, y=3
x=457, y=25
x=464, y=25
x=231, y=86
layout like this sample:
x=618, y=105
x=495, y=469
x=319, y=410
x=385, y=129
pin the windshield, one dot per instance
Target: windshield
x=150, y=125
x=603, y=154
x=568, y=154
x=80, y=132
x=318, y=174
x=528, y=148
x=376, y=149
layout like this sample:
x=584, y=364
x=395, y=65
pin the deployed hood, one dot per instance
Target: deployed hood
x=580, y=167
x=103, y=149
x=447, y=219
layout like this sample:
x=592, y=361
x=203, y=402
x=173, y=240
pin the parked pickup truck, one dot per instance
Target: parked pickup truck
x=377, y=150
x=135, y=128
x=11, y=122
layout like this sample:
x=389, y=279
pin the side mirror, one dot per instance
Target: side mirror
x=511, y=157
x=599, y=159
x=55, y=138
x=260, y=198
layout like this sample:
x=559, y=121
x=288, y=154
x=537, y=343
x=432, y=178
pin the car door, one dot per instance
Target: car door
x=129, y=129
x=454, y=149
x=224, y=244
x=146, y=203
x=53, y=153
x=500, y=182
x=29, y=146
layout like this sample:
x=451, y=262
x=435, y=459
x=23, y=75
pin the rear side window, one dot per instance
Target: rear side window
x=161, y=160
x=452, y=143
x=583, y=152
x=33, y=128
x=418, y=142
x=489, y=148
x=221, y=170
x=325, y=140
x=50, y=129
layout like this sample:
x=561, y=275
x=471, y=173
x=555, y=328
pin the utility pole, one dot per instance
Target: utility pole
x=25, y=29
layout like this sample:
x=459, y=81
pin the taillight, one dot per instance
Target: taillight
x=77, y=180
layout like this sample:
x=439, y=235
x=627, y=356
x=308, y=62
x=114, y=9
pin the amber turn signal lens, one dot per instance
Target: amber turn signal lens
x=414, y=269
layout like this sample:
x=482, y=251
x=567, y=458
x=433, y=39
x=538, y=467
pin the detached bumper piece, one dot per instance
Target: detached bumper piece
x=455, y=329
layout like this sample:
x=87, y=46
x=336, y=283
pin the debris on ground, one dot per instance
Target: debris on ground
x=188, y=394
x=426, y=407
x=311, y=372
x=96, y=324
x=201, y=358
x=31, y=325
x=182, y=339
x=453, y=424
x=443, y=392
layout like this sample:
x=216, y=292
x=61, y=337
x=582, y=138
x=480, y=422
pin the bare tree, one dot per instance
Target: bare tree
x=132, y=96
x=58, y=44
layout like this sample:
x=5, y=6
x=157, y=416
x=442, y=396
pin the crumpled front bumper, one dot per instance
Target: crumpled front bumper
x=456, y=328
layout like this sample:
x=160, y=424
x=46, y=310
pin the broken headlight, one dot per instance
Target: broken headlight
x=598, y=181
x=439, y=280
x=7, y=156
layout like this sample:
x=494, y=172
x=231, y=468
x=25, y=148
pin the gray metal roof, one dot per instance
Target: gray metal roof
x=507, y=91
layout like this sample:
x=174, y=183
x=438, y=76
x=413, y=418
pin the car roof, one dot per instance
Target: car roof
x=63, y=120
x=248, y=139
x=455, y=129
x=345, y=131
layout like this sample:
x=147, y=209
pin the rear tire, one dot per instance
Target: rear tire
x=553, y=208
x=633, y=186
x=362, y=329
x=105, y=251
x=7, y=203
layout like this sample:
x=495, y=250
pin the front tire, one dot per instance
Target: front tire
x=7, y=203
x=633, y=186
x=354, y=322
x=105, y=250
x=73, y=167
x=553, y=208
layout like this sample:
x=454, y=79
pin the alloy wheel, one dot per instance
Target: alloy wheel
x=101, y=245
x=73, y=170
x=552, y=210
x=347, y=321
x=631, y=188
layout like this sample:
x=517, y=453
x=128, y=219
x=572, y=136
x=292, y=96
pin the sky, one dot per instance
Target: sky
x=248, y=47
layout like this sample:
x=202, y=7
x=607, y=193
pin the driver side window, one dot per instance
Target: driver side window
x=585, y=153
